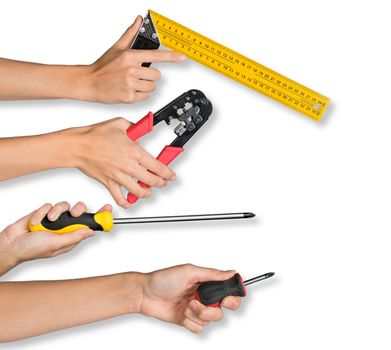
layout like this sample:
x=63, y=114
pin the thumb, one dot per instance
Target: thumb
x=203, y=274
x=127, y=38
x=75, y=237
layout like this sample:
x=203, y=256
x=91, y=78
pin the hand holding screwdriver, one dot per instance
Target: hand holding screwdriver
x=166, y=295
x=20, y=245
x=169, y=296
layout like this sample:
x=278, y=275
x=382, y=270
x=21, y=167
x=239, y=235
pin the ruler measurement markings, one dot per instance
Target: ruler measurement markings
x=244, y=70
x=180, y=39
x=190, y=41
x=212, y=58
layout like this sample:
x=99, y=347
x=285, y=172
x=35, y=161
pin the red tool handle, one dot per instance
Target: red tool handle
x=166, y=156
x=142, y=127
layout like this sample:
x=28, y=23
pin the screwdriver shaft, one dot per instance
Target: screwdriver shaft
x=179, y=218
x=258, y=278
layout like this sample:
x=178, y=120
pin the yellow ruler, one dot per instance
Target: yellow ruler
x=239, y=68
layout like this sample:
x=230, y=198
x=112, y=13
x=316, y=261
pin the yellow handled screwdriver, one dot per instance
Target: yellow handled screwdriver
x=104, y=221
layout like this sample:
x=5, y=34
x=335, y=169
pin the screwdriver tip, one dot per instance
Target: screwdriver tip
x=248, y=215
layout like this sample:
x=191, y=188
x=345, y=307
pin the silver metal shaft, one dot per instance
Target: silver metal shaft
x=180, y=218
x=258, y=278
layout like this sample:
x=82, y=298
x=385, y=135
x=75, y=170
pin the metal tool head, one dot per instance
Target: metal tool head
x=190, y=111
x=147, y=37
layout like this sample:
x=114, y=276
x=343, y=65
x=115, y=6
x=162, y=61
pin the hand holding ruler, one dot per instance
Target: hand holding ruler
x=157, y=29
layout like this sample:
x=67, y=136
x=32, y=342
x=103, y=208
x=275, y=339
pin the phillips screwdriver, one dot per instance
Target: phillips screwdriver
x=104, y=221
x=213, y=292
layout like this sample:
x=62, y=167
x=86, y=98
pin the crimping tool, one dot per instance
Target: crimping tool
x=192, y=109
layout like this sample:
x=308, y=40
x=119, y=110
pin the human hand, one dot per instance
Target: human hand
x=118, y=77
x=23, y=245
x=168, y=295
x=108, y=155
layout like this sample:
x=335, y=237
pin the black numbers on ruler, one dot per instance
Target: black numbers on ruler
x=242, y=69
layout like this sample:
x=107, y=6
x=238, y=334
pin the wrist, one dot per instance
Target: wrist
x=77, y=150
x=8, y=258
x=64, y=148
x=77, y=83
x=133, y=291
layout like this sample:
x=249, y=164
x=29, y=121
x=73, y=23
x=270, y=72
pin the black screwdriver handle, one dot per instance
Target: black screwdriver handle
x=213, y=292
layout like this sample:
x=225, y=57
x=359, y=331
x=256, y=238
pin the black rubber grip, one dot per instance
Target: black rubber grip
x=213, y=292
x=146, y=40
x=66, y=219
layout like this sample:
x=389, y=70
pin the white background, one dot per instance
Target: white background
x=321, y=191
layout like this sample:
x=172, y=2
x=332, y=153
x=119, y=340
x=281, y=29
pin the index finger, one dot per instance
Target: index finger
x=40, y=213
x=156, y=167
x=142, y=56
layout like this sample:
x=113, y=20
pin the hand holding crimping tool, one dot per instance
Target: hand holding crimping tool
x=192, y=109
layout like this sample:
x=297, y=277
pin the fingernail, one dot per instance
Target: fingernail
x=173, y=177
x=193, y=305
x=181, y=58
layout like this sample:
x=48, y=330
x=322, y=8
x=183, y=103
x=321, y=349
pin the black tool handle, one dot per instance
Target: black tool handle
x=213, y=292
x=66, y=223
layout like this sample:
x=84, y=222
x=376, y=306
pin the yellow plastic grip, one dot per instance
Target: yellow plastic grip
x=105, y=219
x=66, y=223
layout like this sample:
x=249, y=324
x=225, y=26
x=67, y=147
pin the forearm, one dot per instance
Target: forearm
x=29, y=154
x=32, y=308
x=24, y=80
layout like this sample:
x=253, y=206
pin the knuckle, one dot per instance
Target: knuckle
x=119, y=200
x=132, y=70
x=158, y=74
x=219, y=316
x=136, y=154
x=197, y=329
x=161, y=183
x=79, y=204
x=129, y=167
x=188, y=268
x=173, y=56
x=130, y=97
x=155, y=182
x=144, y=96
x=160, y=168
x=123, y=58
x=145, y=193
x=118, y=120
